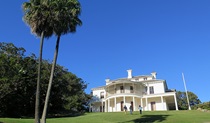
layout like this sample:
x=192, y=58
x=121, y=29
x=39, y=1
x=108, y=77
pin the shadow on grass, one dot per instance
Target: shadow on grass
x=65, y=115
x=148, y=119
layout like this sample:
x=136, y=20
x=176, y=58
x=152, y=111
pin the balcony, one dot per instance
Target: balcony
x=124, y=87
x=125, y=92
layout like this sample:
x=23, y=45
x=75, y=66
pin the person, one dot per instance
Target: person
x=140, y=109
x=125, y=109
x=131, y=109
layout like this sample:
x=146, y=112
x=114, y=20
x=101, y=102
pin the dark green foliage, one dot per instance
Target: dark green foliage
x=18, y=78
x=205, y=105
x=37, y=16
x=182, y=100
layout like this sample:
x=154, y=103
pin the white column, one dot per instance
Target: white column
x=162, y=102
x=147, y=104
x=108, y=92
x=102, y=109
x=124, y=100
x=147, y=88
x=115, y=104
x=115, y=89
x=105, y=107
x=123, y=87
x=134, y=104
x=133, y=88
x=175, y=102
x=108, y=105
x=141, y=103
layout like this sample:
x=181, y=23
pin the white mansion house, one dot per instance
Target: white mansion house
x=145, y=90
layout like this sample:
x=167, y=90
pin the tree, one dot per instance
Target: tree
x=17, y=77
x=37, y=16
x=65, y=20
x=182, y=100
x=69, y=91
x=17, y=85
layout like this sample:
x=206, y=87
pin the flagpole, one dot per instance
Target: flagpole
x=186, y=92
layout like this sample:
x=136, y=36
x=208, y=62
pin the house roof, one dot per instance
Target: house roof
x=98, y=88
x=126, y=80
x=123, y=81
x=134, y=79
x=139, y=76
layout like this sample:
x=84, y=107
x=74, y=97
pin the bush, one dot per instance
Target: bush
x=205, y=105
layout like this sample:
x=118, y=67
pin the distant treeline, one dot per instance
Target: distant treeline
x=205, y=105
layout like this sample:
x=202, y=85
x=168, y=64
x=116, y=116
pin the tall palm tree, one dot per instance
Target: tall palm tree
x=37, y=16
x=65, y=20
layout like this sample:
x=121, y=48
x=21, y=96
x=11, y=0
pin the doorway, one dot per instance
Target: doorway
x=122, y=105
x=153, y=106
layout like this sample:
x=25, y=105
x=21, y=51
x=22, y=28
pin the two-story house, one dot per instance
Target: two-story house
x=145, y=90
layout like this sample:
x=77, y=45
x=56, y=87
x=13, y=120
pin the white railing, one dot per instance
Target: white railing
x=132, y=92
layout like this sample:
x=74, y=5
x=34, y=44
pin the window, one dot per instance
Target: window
x=145, y=90
x=131, y=89
x=121, y=89
x=145, y=78
x=151, y=90
x=102, y=95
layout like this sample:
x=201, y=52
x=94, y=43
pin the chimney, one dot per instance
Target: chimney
x=129, y=73
x=154, y=74
x=107, y=80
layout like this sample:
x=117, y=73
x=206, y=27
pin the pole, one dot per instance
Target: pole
x=186, y=92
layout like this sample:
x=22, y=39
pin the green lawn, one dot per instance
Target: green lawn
x=120, y=117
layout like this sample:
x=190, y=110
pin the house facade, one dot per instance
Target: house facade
x=145, y=90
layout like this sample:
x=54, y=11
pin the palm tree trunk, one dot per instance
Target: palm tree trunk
x=44, y=113
x=37, y=109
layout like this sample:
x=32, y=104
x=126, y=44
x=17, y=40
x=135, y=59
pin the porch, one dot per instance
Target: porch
x=148, y=103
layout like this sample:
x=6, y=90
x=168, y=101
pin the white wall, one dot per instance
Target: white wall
x=98, y=93
x=158, y=87
x=158, y=104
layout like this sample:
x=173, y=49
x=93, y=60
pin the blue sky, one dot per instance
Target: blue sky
x=166, y=36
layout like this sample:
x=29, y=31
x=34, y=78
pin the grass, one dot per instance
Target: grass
x=120, y=117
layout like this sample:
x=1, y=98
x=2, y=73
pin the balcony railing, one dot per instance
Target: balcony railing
x=125, y=92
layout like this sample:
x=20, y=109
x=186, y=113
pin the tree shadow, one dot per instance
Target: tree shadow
x=74, y=114
x=148, y=119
